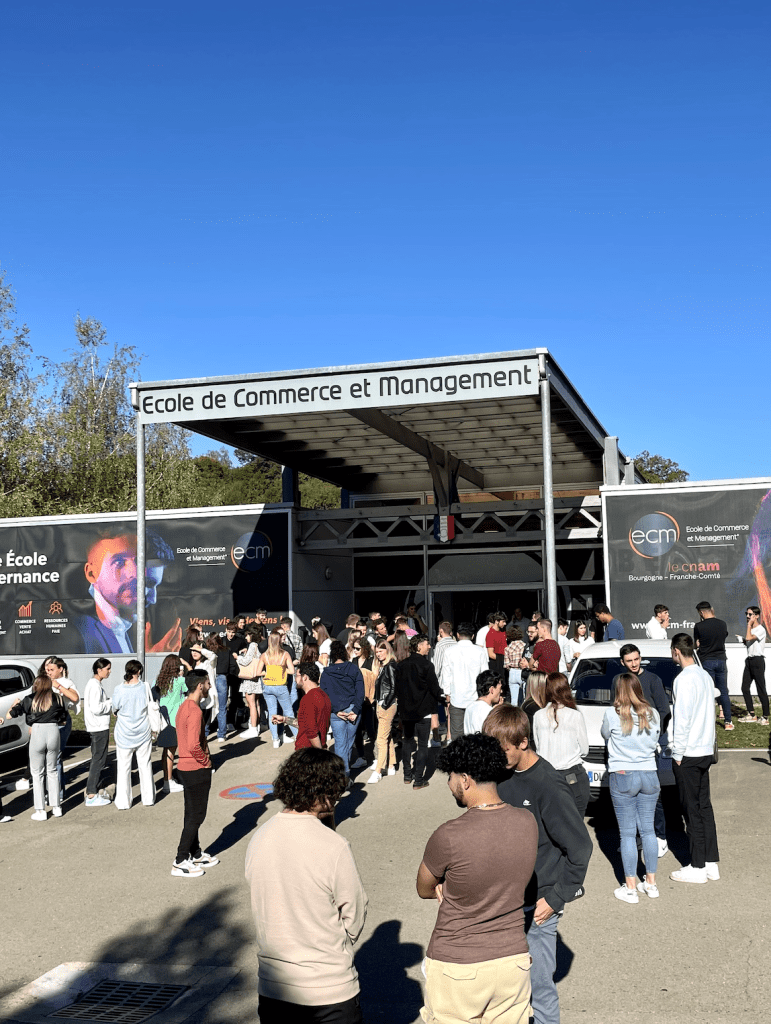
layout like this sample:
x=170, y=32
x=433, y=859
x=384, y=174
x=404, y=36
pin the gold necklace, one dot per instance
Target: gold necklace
x=500, y=803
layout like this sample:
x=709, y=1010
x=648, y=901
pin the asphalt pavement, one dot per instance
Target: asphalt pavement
x=94, y=887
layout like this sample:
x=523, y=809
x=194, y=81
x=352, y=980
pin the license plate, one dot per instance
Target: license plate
x=596, y=775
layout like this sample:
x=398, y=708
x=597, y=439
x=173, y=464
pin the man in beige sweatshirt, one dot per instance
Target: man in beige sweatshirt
x=308, y=901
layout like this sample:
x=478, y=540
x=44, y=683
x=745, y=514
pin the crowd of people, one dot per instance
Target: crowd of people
x=497, y=701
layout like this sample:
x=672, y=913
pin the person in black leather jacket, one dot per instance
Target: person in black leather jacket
x=384, y=700
x=418, y=693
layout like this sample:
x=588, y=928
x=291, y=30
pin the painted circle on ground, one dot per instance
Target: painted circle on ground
x=249, y=791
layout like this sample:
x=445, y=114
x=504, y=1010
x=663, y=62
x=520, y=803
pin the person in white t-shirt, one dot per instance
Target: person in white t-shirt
x=656, y=628
x=489, y=687
x=754, y=666
x=481, y=638
x=581, y=639
x=566, y=650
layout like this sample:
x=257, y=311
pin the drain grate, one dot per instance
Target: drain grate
x=121, y=1002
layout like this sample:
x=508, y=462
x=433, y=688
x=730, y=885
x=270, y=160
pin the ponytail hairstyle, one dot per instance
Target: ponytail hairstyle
x=629, y=698
x=133, y=668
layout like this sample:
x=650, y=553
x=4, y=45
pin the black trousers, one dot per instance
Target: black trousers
x=197, y=784
x=416, y=733
x=580, y=789
x=99, y=744
x=755, y=669
x=276, y=1011
x=692, y=776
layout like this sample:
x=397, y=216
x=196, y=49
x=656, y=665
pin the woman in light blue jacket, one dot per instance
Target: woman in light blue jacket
x=631, y=730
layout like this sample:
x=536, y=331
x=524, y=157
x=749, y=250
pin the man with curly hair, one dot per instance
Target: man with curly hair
x=477, y=866
x=307, y=917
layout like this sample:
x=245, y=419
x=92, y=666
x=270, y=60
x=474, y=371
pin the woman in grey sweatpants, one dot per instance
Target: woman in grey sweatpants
x=44, y=711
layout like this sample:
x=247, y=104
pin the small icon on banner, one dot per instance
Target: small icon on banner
x=25, y=610
x=56, y=608
x=444, y=528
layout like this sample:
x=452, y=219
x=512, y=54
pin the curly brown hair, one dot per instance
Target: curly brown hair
x=170, y=669
x=310, y=778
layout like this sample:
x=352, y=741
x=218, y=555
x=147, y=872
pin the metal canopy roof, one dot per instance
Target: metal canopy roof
x=381, y=447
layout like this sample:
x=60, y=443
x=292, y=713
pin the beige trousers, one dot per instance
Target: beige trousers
x=491, y=991
x=386, y=751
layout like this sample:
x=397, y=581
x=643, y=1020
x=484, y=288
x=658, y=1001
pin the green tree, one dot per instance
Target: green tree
x=658, y=470
x=89, y=431
x=19, y=389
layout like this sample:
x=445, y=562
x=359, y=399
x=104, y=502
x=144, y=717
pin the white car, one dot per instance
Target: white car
x=591, y=679
x=16, y=678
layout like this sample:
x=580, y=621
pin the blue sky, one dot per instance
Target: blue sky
x=245, y=186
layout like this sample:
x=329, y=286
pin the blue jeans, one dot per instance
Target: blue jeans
x=719, y=671
x=64, y=735
x=542, y=941
x=344, y=733
x=292, y=692
x=275, y=695
x=221, y=682
x=634, y=796
x=515, y=685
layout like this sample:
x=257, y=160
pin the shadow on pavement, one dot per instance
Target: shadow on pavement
x=244, y=822
x=350, y=804
x=603, y=820
x=388, y=994
x=565, y=958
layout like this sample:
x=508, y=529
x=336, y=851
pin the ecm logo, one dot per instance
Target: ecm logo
x=653, y=535
x=251, y=551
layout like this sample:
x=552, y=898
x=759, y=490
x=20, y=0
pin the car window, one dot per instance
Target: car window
x=13, y=679
x=592, y=682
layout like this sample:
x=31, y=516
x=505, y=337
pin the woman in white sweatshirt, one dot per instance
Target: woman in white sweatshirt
x=97, y=708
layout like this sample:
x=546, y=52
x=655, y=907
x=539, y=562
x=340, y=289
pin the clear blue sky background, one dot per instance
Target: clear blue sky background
x=246, y=186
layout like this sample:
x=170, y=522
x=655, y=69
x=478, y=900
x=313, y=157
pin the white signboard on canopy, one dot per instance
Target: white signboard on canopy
x=366, y=388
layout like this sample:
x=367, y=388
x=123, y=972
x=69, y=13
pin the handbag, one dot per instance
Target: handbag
x=249, y=671
x=154, y=711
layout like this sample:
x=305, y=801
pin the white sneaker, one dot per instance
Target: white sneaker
x=252, y=730
x=373, y=766
x=186, y=869
x=276, y=744
x=97, y=801
x=649, y=888
x=5, y=818
x=374, y=777
x=690, y=874
x=663, y=847
x=713, y=872
x=39, y=815
x=22, y=784
x=57, y=812
x=391, y=771
x=626, y=895
x=172, y=786
x=205, y=860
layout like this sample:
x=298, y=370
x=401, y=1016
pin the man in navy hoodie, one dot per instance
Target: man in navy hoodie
x=343, y=683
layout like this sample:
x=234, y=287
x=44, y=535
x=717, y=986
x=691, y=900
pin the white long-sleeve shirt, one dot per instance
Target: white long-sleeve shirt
x=97, y=706
x=462, y=664
x=562, y=744
x=693, y=714
x=654, y=630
